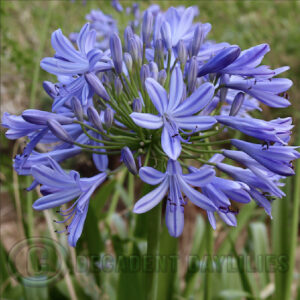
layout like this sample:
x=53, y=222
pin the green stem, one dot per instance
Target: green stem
x=201, y=150
x=293, y=231
x=213, y=143
x=208, y=274
x=154, y=223
x=153, y=232
x=98, y=147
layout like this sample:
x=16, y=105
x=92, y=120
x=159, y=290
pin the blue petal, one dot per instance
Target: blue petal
x=82, y=37
x=148, y=121
x=76, y=226
x=55, y=199
x=174, y=219
x=196, y=197
x=60, y=67
x=151, y=199
x=64, y=47
x=171, y=145
x=212, y=219
x=47, y=176
x=229, y=218
x=184, y=25
x=200, y=177
x=197, y=101
x=151, y=176
x=196, y=123
x=157, y=94
x=176, y=89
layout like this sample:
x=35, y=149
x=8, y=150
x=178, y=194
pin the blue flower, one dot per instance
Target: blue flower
x=220, y=191
x=177, y=183
x=278, y=130
x=181, y=24
x=261, y=188
x=71, y=65
x=276, y=158
x=173, y=114
x=266, y=91
x=59, y=188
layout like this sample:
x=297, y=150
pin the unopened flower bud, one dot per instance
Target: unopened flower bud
x=77, y=108
x=128, y=61
x=223, y=91
x=192, y=74
x=137, y=105
x=118, y=86
x=117, y=5
x=237, y=104
x=40, y=117
x=57, y=129
x=128, y=34
x=134, y=50
x=197, y=40
x=159, y=51
x=166, y=35
x=153, y=70
x=147, y=26
x=182, y=52
x=144, y=74
x=97, y=85
x=50, y=89
x=128, y=160
x=94, y=118
x=108, y=117
x=116, y=52
x=162, y=77
x=220, y=61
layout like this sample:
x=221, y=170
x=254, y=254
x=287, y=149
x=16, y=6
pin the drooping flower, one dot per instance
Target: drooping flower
x=177, y=183
x=59, y=188
x=277, y=130
x=266, y=91
x=173, y=114
x=276, y=158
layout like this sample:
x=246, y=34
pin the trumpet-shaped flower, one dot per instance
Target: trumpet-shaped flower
x=177, y=183
x=175, y=115
x=70, y=65
x=59, y=188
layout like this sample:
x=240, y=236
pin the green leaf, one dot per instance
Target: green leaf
x=259, y=235
x=234, y=294
x=242, y=220
x=168, y=259
x=39, y=291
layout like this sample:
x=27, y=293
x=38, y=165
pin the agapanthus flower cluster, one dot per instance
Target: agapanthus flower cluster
x=167, y=98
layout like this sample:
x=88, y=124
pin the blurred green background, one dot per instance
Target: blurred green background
x=26, y=28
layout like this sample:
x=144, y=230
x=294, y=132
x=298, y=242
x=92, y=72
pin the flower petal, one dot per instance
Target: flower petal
x=196, y=123
x=157, y=94
x=151, y=199
x=151, y=175
x=196, y=197
x=55, y=199
x=176, y=89
x=197, y=101
x=174, y=219
x=200, y=177
x=171, y=145
x=148, y=121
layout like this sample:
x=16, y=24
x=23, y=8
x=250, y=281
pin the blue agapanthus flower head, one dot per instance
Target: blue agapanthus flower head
x=169, y=103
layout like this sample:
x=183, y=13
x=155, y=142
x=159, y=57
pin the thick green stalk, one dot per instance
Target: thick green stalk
x=153, y=234
x=208, y=275
x=293, y=230
x=154, y=223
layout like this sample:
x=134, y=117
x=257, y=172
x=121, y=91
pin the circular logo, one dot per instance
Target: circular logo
x=37, y=261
